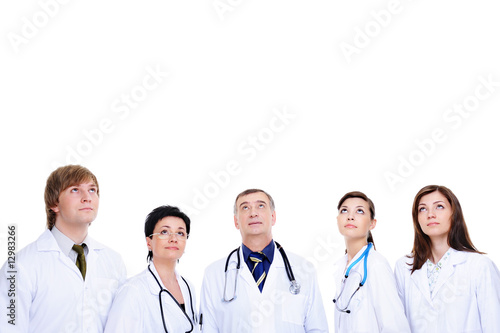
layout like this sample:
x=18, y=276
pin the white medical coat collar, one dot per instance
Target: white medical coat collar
x=153, y=286
x=271, y=275
x=360, y=252
x=419, y=277
x=47, y=242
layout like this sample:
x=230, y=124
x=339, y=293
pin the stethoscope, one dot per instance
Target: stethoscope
x=365, y=275
x=294, y=286
x=168, y=292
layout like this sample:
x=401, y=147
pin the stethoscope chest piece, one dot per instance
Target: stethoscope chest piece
x=294, y=288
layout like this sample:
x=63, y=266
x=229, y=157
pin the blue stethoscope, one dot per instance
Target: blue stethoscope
x=294, y=286
x=365, y=275
x=168, y=292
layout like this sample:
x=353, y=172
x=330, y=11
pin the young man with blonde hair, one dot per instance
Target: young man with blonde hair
x=66, y=281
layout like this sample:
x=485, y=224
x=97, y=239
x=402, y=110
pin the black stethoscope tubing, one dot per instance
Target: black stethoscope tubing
x=168, y=292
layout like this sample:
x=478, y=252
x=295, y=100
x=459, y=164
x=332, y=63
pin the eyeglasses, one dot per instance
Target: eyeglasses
x=165, y=234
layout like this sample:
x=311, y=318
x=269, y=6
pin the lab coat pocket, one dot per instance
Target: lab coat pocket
x=292, y=308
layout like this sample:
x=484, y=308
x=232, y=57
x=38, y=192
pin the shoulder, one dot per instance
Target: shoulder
x=219, y=265
x=135, y=285
x=404, y=265
x=477, y=260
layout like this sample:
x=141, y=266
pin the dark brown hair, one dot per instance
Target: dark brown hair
x=371, y=206
x=458, y=236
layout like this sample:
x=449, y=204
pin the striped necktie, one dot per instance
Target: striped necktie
x=258, y=268
x=80, y=260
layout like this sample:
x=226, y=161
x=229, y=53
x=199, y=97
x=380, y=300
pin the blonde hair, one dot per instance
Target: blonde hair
x=59, y=180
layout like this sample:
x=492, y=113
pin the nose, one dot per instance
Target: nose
x=253, y=212
x=431, y=214
x=350, y=217
x=86, y=197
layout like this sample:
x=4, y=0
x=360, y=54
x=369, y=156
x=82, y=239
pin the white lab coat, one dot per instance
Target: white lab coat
x=466, y=297
x=273, y=310
x=136, y=307
x=376, y=306
x=51, y=295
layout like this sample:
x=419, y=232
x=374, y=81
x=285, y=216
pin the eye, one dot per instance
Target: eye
x=244, y=207
x=360, y=211
x=422, y=209
x=74, y=189
x=93, y=190
x=164, y=232
x=343, y=210
x=262, y=206
x=181, y=233
x=440, y=206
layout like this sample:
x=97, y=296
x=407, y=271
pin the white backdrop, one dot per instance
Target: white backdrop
x=189, y=103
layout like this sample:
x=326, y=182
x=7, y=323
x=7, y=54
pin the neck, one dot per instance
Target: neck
x=256, y=244
x=439, y=246
x=353, y=246
x=76, y=233
x=166, y=270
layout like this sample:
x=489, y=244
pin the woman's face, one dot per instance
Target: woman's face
x=354, y=220
x=434, y=215
x=173, y=230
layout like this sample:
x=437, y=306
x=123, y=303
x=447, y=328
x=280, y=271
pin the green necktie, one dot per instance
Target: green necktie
x=80, y=260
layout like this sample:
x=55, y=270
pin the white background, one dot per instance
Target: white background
x=350, y=119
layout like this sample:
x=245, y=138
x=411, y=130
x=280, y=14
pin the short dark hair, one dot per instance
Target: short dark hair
x=160, y=213
x=250, y=191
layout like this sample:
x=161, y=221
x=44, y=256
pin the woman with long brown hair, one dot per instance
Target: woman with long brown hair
x=366, y=299
x=446, y=284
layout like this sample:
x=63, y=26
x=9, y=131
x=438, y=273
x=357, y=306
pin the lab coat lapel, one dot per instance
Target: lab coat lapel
x=247, y=275
x=170, y=306
x=276, y=268
x=94, y=251
x=47, y=243
x=419, y=277
x=456, y=258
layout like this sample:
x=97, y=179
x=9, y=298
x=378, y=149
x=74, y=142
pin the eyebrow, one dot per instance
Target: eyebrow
x=247, y=202
x=344, y=206
x=435, y=202
x=167, y=226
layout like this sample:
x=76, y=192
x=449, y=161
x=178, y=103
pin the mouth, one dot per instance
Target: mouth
x=172, y=248
x=432, y=224
x=87, y=209
x=255, y=223
x=350, y=226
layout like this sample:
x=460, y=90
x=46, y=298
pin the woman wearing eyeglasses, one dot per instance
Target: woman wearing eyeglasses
x=366, y=298
x=446, y=284
x=158, y=299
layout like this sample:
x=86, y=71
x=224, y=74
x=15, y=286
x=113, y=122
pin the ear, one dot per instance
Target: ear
x=273, y=216
x=373, y=224
x=236, y=223
x=148, y=243
x=55, y=209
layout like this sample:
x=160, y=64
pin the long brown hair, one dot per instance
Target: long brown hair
x=371, y=206
x=458, y=236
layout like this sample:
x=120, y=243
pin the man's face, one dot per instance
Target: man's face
x=78, y=204
x=254, y=217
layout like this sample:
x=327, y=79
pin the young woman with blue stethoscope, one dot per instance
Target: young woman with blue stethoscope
x=366, y=298
x=446, y=284
x=158, y=299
